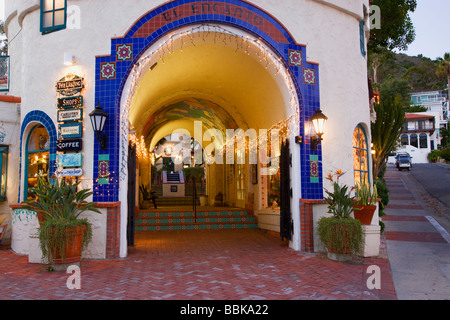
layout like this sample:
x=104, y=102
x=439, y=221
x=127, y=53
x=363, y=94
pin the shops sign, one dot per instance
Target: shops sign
x=72, y=102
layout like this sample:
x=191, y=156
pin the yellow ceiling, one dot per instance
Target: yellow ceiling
x=238, y=79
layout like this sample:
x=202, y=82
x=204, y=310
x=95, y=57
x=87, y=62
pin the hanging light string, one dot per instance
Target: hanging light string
x=194, y=35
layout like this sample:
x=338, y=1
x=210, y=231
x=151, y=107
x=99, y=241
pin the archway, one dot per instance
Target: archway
x=251, y=68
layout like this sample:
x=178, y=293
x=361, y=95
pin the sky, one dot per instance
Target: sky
x=430, y=21
x=432, y=26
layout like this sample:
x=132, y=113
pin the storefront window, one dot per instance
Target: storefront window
x=4, y=166
x=38, y=153
x=360, y=156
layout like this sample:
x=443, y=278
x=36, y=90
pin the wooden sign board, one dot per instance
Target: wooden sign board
x=70, y=172
x=70, y=130
x=69, y=160
x=70, y=115
x=71, y=102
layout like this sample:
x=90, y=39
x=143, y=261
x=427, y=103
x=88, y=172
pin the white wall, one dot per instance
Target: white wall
x=329, y=29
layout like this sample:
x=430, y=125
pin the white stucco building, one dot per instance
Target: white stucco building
x=191, y=66
x=420, y=135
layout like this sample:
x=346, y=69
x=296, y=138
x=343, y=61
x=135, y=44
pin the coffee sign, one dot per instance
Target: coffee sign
x=70, y=145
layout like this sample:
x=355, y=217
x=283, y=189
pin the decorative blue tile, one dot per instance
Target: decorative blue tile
x=109, y=91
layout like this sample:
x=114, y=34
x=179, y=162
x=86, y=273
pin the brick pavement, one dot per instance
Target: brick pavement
x=201, y=265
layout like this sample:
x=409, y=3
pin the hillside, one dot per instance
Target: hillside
x=419, y=71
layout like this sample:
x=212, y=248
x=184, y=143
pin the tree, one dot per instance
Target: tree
x=397, y=91
x=397, y=30
x=3, y=39
x=386, y=131
x=445, y=134
x=376, y=59
x=444, y=68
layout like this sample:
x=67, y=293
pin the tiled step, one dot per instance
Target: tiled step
x=160, y=221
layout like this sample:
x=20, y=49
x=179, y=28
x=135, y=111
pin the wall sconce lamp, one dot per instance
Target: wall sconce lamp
x=319, y=121
x=98, y=120
x=69, y=59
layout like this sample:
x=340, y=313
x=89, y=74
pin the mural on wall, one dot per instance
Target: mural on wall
x=211, y=114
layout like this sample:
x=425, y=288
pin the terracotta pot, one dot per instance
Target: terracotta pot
x=364, y=213
x=73, y=248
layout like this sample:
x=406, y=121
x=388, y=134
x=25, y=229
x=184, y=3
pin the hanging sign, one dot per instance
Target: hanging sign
x=72, y=102
x=70, y=172
x=70, y=115
x=70, y=85
x=70, y=130
x=70, y=145
x=69, y=160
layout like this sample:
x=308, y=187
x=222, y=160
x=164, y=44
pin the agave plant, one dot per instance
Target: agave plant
x=60, y=204
x=59, y=200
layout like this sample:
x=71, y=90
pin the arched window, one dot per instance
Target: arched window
x=37, y=157
x=360, y=155
x=405, y=140
x=423, y=141
x=413, y=140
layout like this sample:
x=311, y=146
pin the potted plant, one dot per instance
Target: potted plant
x=366, y=202
x=63, y=235
x=340, y=233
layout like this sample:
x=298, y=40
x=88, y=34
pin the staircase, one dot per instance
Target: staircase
x=206, y=220
x=173, y=177
x=175, y=202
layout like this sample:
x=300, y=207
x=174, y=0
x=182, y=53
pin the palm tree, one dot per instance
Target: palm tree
x=444, y=67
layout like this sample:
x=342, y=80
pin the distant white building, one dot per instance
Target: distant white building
x=434, y=101
x=420, y=135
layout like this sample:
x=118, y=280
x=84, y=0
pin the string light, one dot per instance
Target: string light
x=243, y=42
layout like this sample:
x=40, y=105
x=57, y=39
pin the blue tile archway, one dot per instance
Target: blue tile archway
x=112, y=72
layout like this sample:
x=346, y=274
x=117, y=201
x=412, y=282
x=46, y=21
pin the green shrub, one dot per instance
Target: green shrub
x=445, y=154
x=340, y=235
x=434, y=156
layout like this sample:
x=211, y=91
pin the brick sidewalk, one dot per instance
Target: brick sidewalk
x=202, y=265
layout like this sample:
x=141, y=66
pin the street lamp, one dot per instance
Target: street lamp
x=319, y=121
x=98, y=120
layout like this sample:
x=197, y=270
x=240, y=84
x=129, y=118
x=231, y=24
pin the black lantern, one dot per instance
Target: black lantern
x=319, y=121
x=98, y=120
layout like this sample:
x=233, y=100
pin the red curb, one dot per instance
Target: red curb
x=431, y=237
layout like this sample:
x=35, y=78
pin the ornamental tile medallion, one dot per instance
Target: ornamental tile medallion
x=108, y=70
x=295, y=58
x=125, y=52
x=309, y=76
